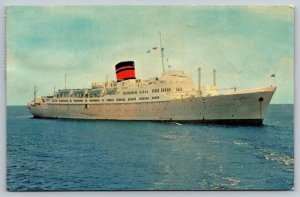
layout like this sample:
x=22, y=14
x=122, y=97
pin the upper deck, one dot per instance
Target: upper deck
x=170, y=85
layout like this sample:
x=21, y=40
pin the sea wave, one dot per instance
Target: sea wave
x=232, y=181
x=240, y=143
x=280, y=158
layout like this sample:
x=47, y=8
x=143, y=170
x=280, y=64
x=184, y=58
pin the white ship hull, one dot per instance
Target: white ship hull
x=247, y=107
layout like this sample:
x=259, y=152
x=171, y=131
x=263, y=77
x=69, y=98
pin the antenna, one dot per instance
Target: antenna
x=162, y=53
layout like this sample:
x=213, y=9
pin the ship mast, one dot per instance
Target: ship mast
x=65, y=81
x=34, y=93
x=199, y=81
x=162, y=53
x=214, y=78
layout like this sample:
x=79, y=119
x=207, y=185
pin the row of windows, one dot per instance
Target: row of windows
x=94, y=100
x=143, y=91
x=78, y=95
x=78, y=100
x=165, y=89
x=111, y=85
x=75, y=100
x=109, y=100
x=153, y=91
x=130, y=92
x=131, y=99
x=125, y=93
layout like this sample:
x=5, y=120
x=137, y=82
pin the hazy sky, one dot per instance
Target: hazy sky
x=245, y=44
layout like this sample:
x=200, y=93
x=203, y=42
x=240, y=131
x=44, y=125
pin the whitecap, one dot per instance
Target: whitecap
x=232, y=181
x=284, y=159
x=214, y=141
x=240, y=143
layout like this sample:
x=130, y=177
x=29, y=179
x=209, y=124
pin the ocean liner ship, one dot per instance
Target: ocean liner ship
x=169, y=97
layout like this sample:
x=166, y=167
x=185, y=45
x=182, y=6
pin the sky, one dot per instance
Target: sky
x=245, y=44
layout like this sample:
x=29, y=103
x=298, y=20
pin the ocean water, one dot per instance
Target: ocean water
x=53, y=154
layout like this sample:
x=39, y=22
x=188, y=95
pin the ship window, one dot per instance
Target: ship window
x=143, y=91
x=129, y=92
x=121, y=99
x=131, y=99
x=109, y=100
x=166, y=89
x=155, y=97
x=144, y=98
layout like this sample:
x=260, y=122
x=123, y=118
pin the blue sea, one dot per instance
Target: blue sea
x=54, y=154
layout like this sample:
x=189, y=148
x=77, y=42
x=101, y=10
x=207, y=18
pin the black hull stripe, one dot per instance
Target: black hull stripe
x=231, y=122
